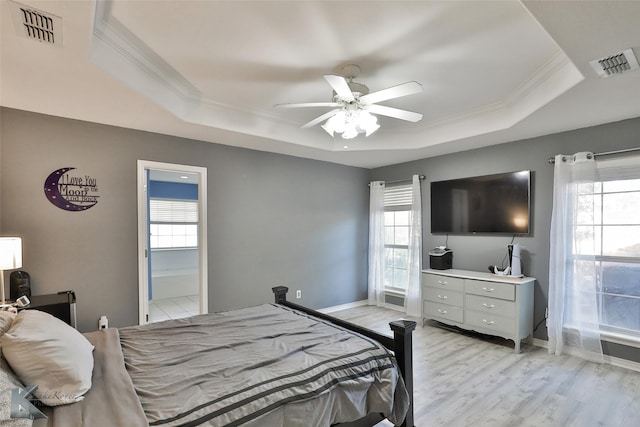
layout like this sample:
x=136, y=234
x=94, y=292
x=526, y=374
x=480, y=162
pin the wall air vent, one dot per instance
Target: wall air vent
x=37, y=25
x=615, y=64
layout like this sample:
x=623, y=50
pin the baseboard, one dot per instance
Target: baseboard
x=540, y=343
x=346, y=306
x=611, y=360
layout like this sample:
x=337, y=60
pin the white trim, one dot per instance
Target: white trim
x=346, y=306
x=143, y=273
x=622, y=363
x=540, y=343
x=611, y=360
x=143, y=267
x=617, y=338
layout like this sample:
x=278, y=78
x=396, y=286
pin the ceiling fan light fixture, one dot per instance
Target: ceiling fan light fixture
x=351, y=123
x=355, y=103
x=336, y=123
x=368, y=122
x=350, y=131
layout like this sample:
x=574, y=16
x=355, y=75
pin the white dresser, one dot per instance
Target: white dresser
x=481, y=302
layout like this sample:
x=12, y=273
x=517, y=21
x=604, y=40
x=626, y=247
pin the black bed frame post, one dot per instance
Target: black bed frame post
x=403, y=342
x=280, y=293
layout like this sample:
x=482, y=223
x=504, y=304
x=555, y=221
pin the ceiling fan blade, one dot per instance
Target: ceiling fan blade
x=340, y=85
x=319, y=119
x=404, y=89
x=396, y=113
x=308, y=104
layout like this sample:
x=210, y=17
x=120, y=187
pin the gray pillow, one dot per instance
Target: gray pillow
x=44, y=351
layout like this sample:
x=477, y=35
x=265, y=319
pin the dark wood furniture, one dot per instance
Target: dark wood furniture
x=401, y=344
x=61, y=305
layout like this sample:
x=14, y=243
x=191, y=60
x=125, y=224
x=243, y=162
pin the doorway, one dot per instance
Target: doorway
x=172, y=244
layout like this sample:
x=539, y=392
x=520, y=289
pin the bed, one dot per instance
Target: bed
x=271, y=365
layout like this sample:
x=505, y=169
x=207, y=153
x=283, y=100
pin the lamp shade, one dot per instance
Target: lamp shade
x=10, y=253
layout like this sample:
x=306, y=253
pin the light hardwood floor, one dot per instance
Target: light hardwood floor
x=466, y=380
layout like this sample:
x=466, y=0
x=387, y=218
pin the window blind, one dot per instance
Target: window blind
x=615, y=169
x=173, y=211
x=400, y=195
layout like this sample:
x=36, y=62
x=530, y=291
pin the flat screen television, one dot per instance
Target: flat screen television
x=490, y=204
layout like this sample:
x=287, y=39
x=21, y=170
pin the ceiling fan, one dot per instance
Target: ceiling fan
x=354, y=107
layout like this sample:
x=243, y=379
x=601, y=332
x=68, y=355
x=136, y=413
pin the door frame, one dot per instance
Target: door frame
x=143, y=249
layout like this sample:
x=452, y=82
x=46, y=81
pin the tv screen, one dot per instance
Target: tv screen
x=483, y=204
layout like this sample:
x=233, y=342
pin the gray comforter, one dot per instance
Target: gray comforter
x=261, y=366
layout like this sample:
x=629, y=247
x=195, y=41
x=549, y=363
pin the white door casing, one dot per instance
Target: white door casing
x=143, y=249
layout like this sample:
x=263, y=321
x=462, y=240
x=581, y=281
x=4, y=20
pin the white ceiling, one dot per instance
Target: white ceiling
x=492, y=71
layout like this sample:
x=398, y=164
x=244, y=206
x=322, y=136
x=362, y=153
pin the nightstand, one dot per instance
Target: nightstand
x=61, y=305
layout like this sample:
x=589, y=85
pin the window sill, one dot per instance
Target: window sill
x=180, y=248
x=617, y=338
x=611, y=336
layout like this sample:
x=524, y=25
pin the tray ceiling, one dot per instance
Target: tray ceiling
x=491, y=71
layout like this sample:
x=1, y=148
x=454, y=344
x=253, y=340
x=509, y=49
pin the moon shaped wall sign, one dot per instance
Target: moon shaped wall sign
x=69, y=191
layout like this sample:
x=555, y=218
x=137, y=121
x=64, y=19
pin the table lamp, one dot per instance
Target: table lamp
x=10, y=258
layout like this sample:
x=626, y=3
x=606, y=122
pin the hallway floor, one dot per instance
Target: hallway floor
x=173, y=308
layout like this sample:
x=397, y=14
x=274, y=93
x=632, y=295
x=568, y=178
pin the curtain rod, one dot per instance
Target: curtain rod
x=421, y=177
x=552, y=160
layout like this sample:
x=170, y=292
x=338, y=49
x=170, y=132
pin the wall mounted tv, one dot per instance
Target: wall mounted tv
x=490, y=204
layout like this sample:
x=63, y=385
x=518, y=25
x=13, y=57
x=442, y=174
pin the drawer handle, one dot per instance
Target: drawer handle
x=484, y=288
x=442, y=282
x=484, y=304
x=442, y=311
x=488, y=322
x=442, y=296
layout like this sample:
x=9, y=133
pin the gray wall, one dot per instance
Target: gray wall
x=273, y=219
x=478, y=252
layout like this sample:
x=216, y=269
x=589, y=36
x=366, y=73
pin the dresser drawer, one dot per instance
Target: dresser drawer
x=490, y=305
x=443, y=282
x=444, y=296
x=436, y=310
x=504, y=291
x=489, y=323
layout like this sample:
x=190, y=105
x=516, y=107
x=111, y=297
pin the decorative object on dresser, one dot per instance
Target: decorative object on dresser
x=441, y=258
x=481, y=302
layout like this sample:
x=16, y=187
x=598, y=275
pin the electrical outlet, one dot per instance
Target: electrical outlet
x=298, y=294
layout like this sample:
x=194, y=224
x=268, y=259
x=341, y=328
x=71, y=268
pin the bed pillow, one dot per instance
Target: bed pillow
x=6, y=320
x=44, y=351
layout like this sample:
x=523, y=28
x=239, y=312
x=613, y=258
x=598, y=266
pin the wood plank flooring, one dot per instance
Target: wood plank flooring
x=464, y=379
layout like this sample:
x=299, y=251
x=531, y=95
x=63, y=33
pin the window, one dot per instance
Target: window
x=397, y=223
x=614, y=205
x=173, y=224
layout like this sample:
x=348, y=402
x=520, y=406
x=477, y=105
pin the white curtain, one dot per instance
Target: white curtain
x=412, y=301
x=573, y=321
x=376, y=243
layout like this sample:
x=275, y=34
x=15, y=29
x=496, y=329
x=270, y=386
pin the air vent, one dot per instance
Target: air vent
x=37, y=25
x=615, y=64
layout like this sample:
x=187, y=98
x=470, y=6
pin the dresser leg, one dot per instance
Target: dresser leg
x=517, y=346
